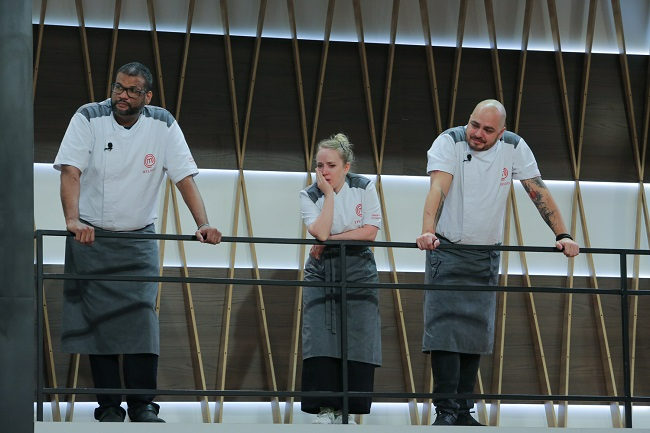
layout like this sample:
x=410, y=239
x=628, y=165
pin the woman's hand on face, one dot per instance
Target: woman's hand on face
x=323, y=184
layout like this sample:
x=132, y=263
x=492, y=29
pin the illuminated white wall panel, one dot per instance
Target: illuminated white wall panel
x=610, y=211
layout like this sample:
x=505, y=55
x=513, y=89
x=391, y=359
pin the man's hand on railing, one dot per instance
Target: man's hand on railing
x=208, y=234
x=568, y=246
x=82, y=232
x=427, y=241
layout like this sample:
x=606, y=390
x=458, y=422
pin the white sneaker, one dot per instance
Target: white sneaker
x=339, y=419
x=326, y=416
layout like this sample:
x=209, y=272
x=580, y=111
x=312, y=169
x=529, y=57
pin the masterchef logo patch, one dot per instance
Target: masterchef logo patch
x=359, y=210
x=504, y=177
x=149, y=161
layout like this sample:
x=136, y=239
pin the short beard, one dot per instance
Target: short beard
x=128, y=112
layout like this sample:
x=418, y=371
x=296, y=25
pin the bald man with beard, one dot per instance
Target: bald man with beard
x=471, y=169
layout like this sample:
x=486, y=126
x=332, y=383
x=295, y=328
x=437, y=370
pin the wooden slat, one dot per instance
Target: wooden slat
x=431, y=67
x=642, y=215
x=321, y=79
x=565, y=360
x=72, y=380
x=297, y=316
x=241, y=146
x=565, y=352
x=496, y=68
x=309, y=153
x=266, y=342
x=113, y=52
x=186, y=52
x=627, y=85
x=222, y=365
x=378, y=157
x=460, y=35
x=298, y=71
x=536, y=337
x=264, y=329
x=366, y=79
x=389, y=82
x=494, y=51
x=294, y=355
x=499, y=348
x=606, y=361
x=84, y=50
x=565, y=356
x=523, y=56
x=494, y=416
x=426, y=29
x=190, y=316
x=156, y=52
x=564, y=93
x=251, y=86
x=640, y=164
x=231, y=82
x=39, y=46
x=591, y=24
x=161, y=243
x=73, y=367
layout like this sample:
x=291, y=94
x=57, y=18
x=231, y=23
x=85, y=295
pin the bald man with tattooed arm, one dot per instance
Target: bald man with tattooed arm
x=471, y=169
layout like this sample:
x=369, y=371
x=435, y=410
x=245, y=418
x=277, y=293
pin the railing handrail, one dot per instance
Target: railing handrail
x=627, y=399
x=381, y=244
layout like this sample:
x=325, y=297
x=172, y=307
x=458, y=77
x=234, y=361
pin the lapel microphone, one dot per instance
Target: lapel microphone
x=109, y=147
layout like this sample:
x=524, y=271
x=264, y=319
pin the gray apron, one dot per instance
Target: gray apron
x=460, y=321
x=111, y=317
x=321, y=323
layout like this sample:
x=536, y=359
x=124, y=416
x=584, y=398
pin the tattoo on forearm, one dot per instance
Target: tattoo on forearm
x=440, y=205
x=537, y=191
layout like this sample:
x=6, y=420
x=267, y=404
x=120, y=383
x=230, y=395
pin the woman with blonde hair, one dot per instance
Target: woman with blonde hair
x=339, y=206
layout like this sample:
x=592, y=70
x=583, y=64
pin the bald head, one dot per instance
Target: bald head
x=486, y=125
x=495, y=106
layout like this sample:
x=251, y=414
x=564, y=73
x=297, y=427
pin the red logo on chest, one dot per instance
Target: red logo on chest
x=505, y=174
x=359, y=210
x=149, y=160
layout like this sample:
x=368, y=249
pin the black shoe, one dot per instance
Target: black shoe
x=111, y=414
x=444, y=417
x=145, y=413
x=465, y=418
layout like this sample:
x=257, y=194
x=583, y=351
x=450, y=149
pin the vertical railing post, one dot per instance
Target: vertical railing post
x=627, y=387
x=40, y=380
x=344, y=335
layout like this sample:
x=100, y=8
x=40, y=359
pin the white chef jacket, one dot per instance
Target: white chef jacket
x=474, y=209
x=355, y=205
x=123, y=168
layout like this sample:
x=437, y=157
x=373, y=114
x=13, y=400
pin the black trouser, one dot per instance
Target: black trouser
x=140, y=371
x=324, y=374
x=454, y=373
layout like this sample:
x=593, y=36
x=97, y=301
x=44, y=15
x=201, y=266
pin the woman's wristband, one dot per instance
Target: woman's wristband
x=202, y=225
x=563, y=236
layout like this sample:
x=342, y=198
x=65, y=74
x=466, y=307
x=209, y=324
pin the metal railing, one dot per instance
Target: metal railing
x=627, y=399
